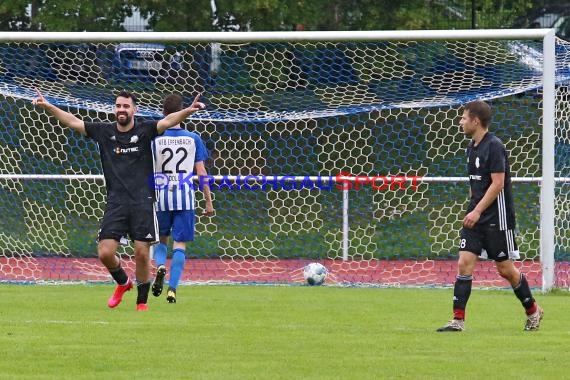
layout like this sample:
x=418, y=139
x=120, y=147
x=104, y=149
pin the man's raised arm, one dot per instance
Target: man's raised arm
x=178, y=117
x=65, y=118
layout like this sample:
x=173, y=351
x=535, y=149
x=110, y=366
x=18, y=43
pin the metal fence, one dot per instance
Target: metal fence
x=479, y=14
x=460, y=14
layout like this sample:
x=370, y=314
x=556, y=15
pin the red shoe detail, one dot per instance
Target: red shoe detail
x=459, y=314
x=117, y=296
x=142, y=307
x=532, y=309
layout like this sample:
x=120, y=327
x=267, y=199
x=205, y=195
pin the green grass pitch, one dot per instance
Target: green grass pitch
x=276, y=332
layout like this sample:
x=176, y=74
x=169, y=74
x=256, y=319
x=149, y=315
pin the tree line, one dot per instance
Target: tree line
x=261, y=15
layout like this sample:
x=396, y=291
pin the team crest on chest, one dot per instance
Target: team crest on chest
x=477, y=162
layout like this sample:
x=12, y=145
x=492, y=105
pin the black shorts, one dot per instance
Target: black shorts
x=489, y=243
x=136, y=221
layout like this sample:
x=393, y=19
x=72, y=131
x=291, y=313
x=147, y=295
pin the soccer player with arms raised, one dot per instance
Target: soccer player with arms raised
x=178, y=154
x=490, y=220
x=126, y=158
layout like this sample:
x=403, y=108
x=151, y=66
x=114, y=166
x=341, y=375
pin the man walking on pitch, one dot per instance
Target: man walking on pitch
x=126, y=158
x=177, y=153
x=490, y=220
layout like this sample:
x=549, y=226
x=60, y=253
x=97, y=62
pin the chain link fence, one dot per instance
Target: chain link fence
x=481, y=14
x=466, y=14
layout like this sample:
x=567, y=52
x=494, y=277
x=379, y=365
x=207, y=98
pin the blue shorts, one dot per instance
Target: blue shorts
x=179, y=223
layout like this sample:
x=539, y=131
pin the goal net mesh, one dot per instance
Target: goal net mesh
x=301, y=109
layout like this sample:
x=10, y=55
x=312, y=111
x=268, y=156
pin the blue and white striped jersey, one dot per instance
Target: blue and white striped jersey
x=175, y=153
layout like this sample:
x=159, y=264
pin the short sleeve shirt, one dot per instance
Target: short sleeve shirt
x=176, y=152
x=127, y=160
x=490, y=156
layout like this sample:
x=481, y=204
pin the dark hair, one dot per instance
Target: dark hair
x=128, y=95
x=172, y=103
x=480, y=110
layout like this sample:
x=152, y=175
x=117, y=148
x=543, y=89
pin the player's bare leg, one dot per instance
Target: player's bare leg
x=107, y=252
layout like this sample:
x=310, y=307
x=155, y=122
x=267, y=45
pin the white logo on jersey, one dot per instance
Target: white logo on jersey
x=501, y=254
x=134, y=139
x=113, y=138
x=126, y=150
x=477, y=162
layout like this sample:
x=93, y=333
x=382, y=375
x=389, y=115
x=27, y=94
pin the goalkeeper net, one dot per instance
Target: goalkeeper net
x=296, y=124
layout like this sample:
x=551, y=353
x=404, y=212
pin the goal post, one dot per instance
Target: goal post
x=336, y=147
x=547, y=199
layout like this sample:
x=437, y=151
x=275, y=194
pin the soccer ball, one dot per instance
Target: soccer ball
x=315, y=273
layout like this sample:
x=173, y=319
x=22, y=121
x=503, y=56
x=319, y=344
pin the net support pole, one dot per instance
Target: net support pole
x=547, y=213
x=345, y=225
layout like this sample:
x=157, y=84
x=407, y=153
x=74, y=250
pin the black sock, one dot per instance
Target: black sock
x=523, y=293
x=461, y=294
x=142, y=292
x=119, y=275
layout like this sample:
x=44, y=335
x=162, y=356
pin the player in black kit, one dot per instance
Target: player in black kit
x=490, y=220
x=127, y=161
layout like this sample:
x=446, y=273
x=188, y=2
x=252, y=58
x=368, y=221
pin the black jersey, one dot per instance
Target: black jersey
x=490, y=156
x=127, y=160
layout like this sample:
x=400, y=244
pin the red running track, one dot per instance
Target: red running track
x=367, y=272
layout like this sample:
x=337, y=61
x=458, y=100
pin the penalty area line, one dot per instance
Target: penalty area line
x=68, y=322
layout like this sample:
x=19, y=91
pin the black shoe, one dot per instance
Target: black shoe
x=158, y=281
x=453, y=325
x=171, y=295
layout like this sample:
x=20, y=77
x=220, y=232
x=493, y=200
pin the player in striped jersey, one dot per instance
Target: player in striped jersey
x=490, y=220
x=178, y=154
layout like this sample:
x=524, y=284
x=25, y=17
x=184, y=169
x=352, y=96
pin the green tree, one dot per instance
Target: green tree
x=64, y=15
x=501, y=14
x=268, y=15
x=261, y=15
x=72, y=15
x=13, y=15
x=176, y=15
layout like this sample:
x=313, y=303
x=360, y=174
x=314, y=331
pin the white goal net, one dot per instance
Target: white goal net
x=342, y=148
